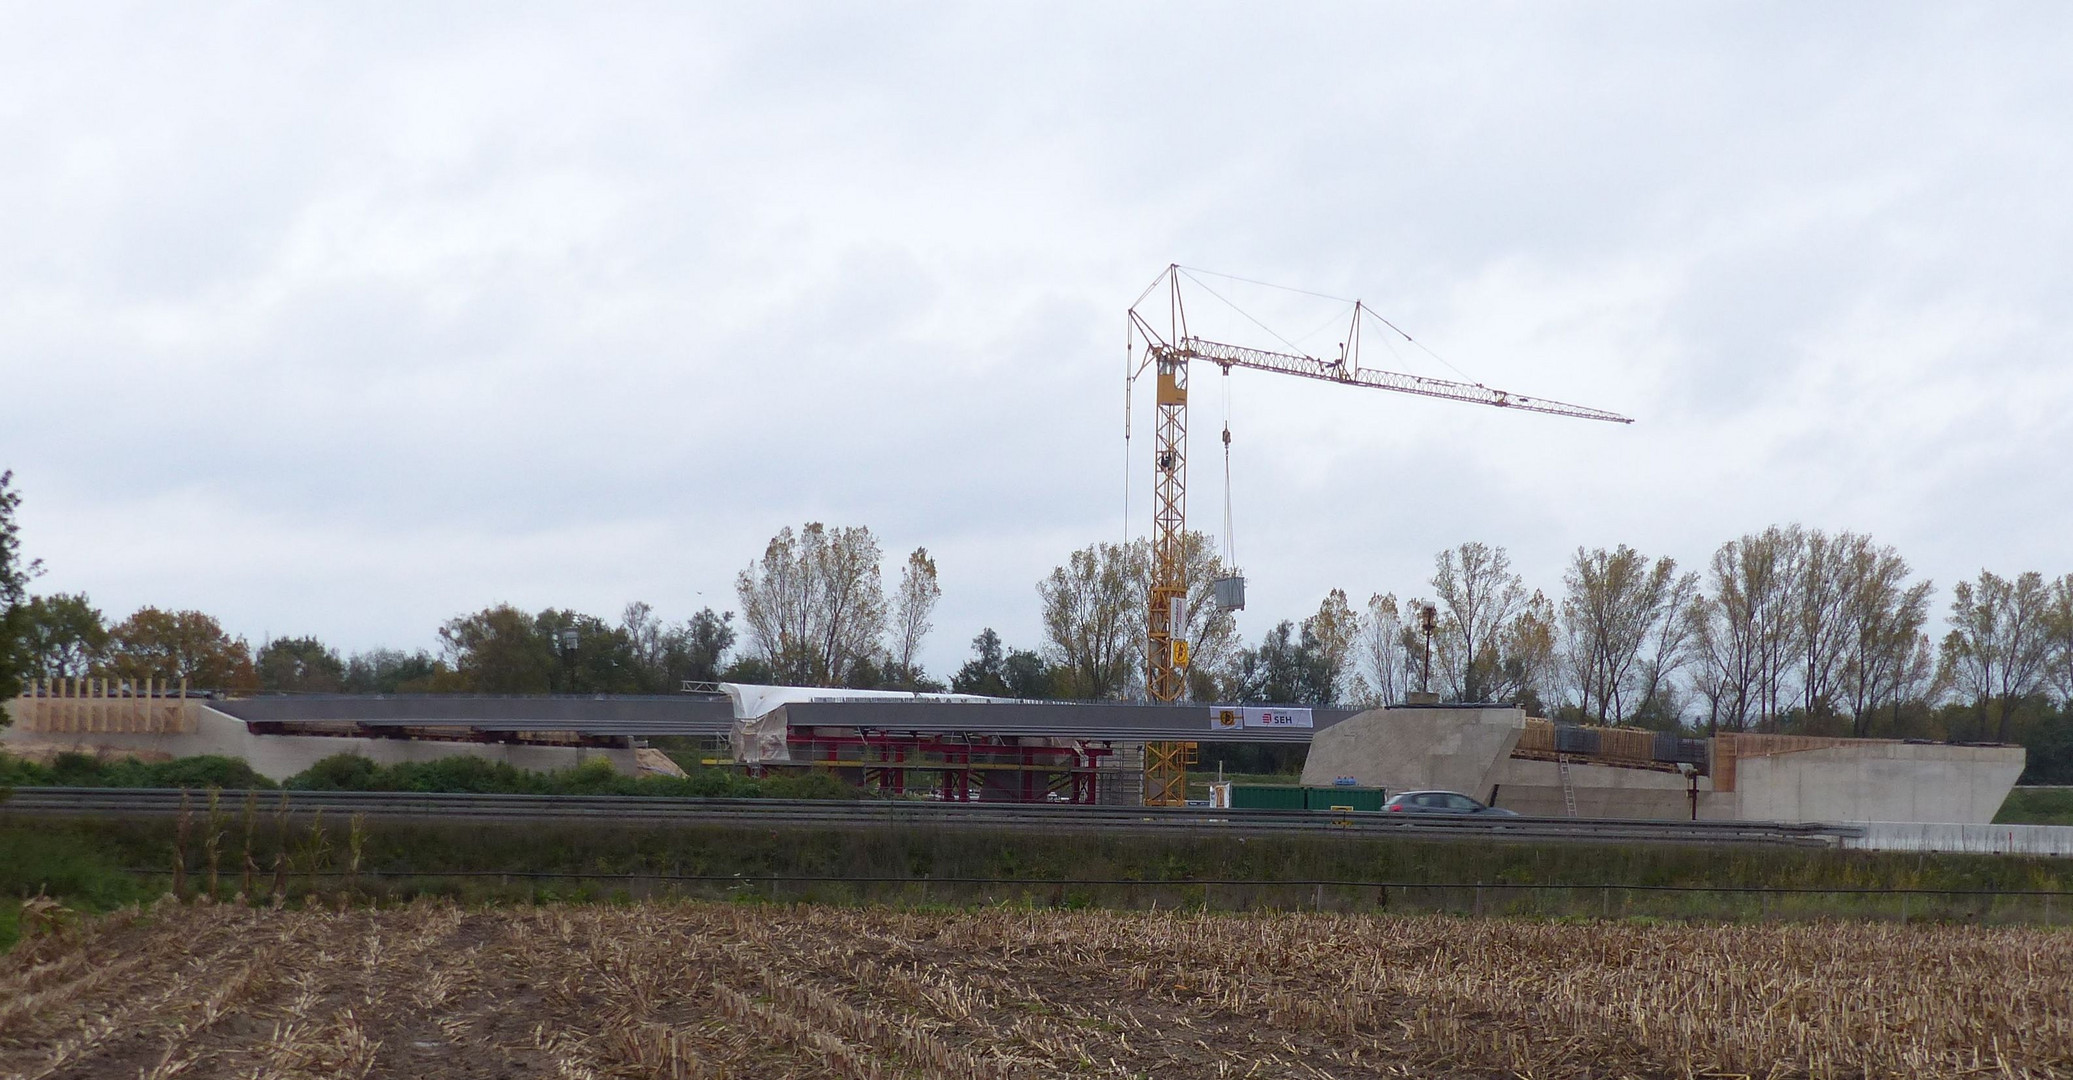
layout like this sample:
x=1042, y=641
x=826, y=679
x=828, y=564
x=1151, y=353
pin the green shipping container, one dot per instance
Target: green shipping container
x=1355, y=798
x=1265, y=797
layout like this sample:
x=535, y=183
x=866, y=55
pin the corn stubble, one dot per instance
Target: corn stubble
x=711, y=990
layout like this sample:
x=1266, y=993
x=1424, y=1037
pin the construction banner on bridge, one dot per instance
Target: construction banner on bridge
x=1228, y=717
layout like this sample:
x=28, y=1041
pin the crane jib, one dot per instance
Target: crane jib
x=1171, y=348
x=1310, y=367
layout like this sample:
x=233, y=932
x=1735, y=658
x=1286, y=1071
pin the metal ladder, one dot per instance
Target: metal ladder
x=1568, y=785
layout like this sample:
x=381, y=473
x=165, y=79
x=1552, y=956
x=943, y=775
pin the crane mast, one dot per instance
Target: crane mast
x=1169, y=355
x=1169, y=592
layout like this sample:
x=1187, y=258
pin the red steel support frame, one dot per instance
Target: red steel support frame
x=885, y=759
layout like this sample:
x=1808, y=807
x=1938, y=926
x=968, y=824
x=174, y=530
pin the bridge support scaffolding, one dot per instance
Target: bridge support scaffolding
x=955, y=768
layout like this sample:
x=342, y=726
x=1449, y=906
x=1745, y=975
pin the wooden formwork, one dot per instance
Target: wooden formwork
x=107, y=707
x=1729, y=747
x=1614, y=744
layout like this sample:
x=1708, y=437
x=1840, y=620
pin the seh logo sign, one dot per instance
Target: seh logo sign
x=1225, y=717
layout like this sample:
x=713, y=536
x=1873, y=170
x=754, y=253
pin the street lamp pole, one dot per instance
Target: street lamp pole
x=568, y=639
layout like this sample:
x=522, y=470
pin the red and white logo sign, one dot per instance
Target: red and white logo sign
x=1224, y=717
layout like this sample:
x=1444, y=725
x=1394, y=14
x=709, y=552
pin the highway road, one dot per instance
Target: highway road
x=834, y=814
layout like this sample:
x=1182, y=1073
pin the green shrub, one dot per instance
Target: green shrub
x=813, y=785
x=14, y=772
x=54, y=861
x=205, y=771
x=474, y=775
x=82, y=770
x=339, y=772
x=459, y=773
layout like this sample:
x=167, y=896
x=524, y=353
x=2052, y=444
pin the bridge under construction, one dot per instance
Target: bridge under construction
x=951, y=747
x=965, y=749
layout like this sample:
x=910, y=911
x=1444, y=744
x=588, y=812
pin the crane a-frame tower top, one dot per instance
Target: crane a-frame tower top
x=1169, y=349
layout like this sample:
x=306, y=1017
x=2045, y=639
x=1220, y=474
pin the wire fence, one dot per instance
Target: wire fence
x=1604, y=900
x=1153, y=883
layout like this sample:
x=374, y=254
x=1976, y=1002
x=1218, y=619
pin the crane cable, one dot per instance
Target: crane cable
x=1230, y=538
x=1129, y=380
x=1359, y=308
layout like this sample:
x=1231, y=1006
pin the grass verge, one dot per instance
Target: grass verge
x=83, y=863
x=79, y=869
x=2037, y=806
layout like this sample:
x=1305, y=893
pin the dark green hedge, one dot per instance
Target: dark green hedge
x=351, y=772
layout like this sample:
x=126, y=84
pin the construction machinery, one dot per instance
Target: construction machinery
x=1169, y=349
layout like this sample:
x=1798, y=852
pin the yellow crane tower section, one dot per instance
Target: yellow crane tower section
x=1169, y=350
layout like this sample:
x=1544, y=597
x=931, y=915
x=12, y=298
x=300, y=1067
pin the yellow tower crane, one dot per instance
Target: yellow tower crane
x=1168, y=353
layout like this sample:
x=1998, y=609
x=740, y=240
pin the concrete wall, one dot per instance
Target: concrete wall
x=1877, y=781
x=1535, y=788
x=1965, y=839
x=1408, y=748
x=1469, y=750
x=278, y=757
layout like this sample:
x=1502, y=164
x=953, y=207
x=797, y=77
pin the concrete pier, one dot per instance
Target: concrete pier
x=1471, y=749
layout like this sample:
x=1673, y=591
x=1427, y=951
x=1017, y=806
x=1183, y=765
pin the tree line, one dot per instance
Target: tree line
x=1789, y=629
x=498, y=650
x=814, y=609
x=1786, y=630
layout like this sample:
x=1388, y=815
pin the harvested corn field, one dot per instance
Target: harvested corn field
x=683, y=990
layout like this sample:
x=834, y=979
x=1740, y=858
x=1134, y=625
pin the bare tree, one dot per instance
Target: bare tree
x=1921, y=676
x=2060, y=652
x=1716, y=666
x=1880, y=621
x=1479, y=594
x=1668, y=650
x=647, y=636
x=1524, y=647
x=913, y=605
x=1384, y=653
x=1778, y=643
x=1616, y=607
x=1335, y=628
x=1823, y=598
x=1211, y=632
x=815, y=605
x=1999, y=641
x=1746, y=628
x=1093, y=614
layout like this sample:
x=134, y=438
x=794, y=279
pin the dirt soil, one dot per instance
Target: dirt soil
x=701, y=989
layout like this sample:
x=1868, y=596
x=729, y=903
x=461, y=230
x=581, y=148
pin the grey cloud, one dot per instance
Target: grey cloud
x=426, y=310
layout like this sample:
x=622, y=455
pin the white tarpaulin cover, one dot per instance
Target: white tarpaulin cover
x=1225, y=717
x=751, y=700
x=759, y=713
x=761, y=741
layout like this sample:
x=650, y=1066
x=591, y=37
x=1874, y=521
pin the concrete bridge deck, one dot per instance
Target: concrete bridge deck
x=711, y=716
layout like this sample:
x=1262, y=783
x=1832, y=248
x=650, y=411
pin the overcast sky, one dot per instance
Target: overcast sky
x=342, y=320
